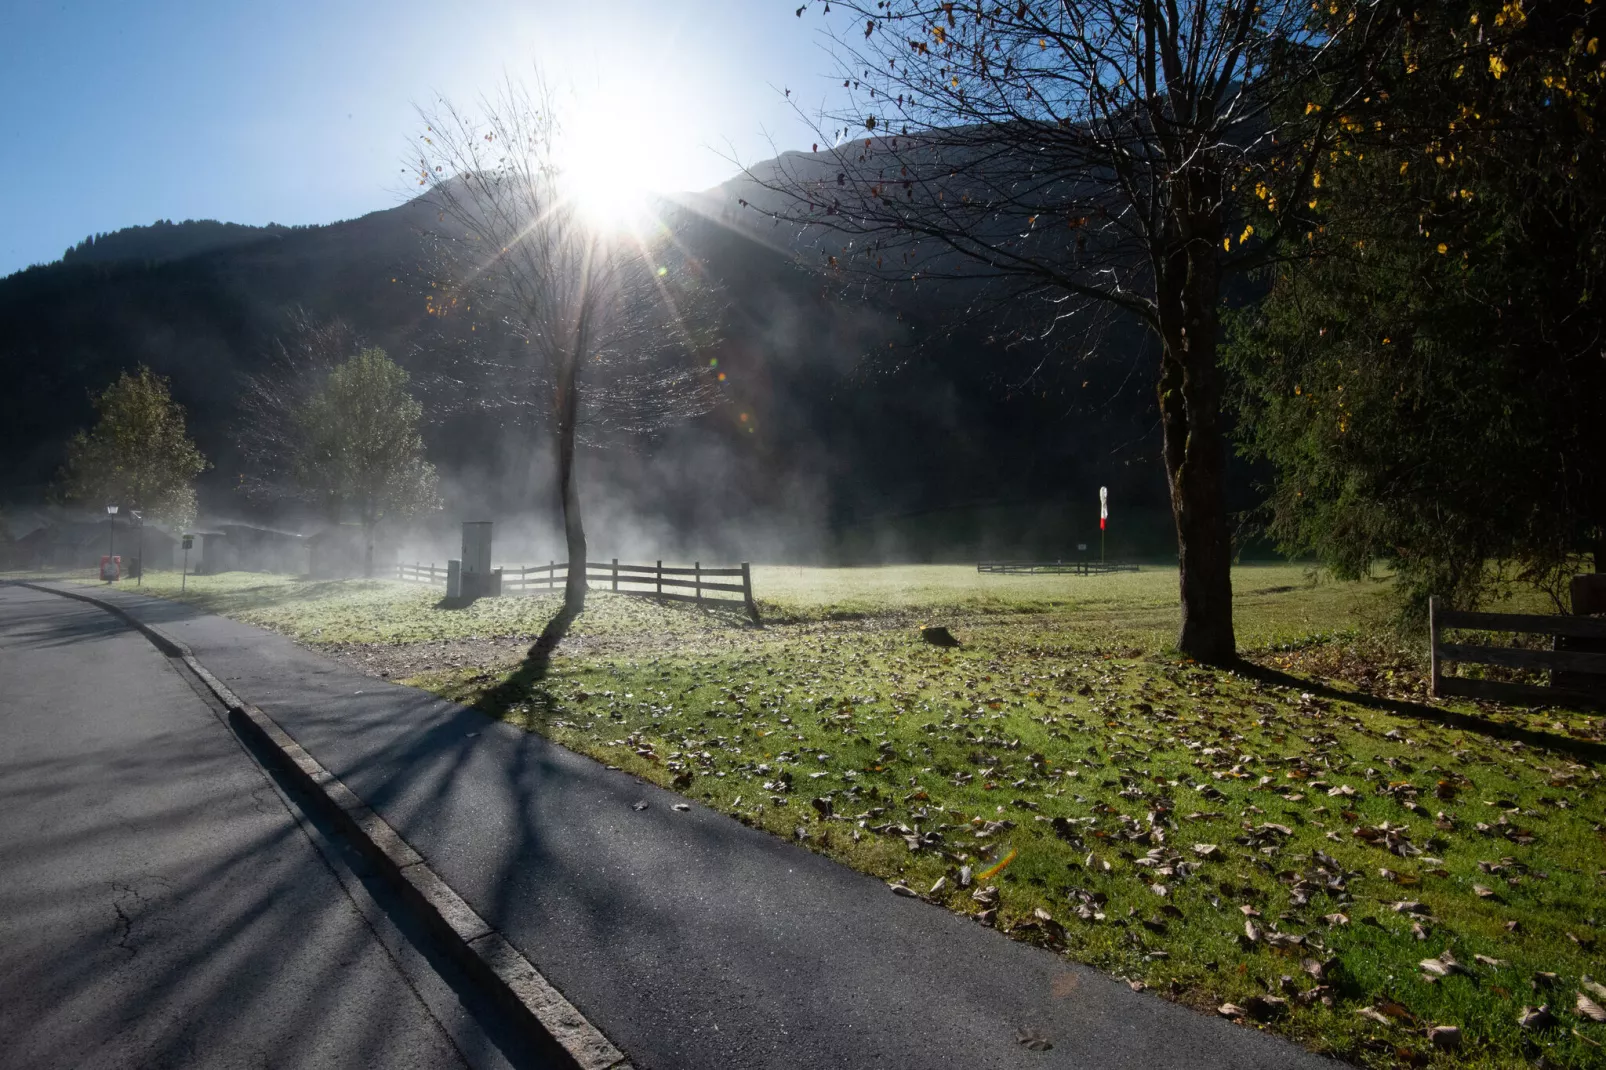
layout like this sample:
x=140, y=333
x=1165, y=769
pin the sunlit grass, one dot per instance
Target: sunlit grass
x=1063, y=730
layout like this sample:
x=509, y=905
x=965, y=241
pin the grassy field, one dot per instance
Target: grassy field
x=1347, y=867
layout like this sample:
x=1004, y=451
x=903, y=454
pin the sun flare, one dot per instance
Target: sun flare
x=608, y=165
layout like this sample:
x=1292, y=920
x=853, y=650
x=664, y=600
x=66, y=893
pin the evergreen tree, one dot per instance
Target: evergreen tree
x=1429, y=372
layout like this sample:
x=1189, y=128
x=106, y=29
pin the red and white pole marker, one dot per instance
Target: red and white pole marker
x=1104, y=516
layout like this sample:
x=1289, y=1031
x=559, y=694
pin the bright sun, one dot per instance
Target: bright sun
x=609, y=165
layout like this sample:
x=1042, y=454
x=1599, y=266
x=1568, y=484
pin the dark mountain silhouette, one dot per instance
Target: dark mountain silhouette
x=857, y=425
x=166, y=240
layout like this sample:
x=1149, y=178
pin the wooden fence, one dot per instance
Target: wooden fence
x=1589, y=667
x=694, y=584
x=1075, y=568
x=421, y=574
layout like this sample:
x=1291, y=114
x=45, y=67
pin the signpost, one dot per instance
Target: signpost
x=139, y=555
x=184, y=576
x=111, y=543
x=1104, y=516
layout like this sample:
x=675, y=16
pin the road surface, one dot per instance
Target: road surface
x=159, y=904
x=690, y=940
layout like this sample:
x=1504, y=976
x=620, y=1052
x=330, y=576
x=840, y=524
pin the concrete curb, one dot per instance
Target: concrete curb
x=554, y=1026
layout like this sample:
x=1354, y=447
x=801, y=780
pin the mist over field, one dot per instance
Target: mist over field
x=851, y=427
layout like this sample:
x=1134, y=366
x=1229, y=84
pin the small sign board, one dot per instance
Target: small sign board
x=1082, y=546
x=111, y=567
x=189, y=541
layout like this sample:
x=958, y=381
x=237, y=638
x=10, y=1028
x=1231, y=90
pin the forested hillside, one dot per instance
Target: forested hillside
x=869, y=423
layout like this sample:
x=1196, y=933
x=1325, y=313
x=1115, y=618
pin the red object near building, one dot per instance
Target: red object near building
x=111, y=568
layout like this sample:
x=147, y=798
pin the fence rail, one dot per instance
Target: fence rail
x=421, y=573
x=1587, y=667
x=1075, y=568
x=704, y=584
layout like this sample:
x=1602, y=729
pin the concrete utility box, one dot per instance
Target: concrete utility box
x=478, y=580
x=454, y=578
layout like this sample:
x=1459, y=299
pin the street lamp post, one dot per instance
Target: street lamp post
x=111, y=538
x=139, y=559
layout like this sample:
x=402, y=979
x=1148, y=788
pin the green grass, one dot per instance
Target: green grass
x=1064, y=737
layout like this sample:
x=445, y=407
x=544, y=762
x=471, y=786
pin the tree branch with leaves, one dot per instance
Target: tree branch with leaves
x=358, y=443
x=138, y=455
x=1055, y=157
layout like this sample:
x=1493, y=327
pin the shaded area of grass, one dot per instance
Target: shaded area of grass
x=1351, y=837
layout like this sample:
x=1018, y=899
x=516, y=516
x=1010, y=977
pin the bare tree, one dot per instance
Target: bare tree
x=605, y=325
x=1059, y=156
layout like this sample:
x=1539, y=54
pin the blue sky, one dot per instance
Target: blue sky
x=301, y=112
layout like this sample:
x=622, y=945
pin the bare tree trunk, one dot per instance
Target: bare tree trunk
x=574, y=533
x=1190, y=388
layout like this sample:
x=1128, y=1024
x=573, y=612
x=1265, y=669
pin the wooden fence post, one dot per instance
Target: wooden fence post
x=697, y=578
x=747, y=591
x=1434, y=672
x=616, y=573
x=660, y=577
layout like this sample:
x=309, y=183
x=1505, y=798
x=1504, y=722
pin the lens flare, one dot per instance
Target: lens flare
x=993, y=871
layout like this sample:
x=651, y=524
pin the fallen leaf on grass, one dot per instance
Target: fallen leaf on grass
x=1374, y=1014
x=900, y=888
x=1266, y=1007
x=1590, y=1009
x=1445, y=1037
x=1487, y=960
x=1536, y=1017
x=1443, y=966
x=1594, y=986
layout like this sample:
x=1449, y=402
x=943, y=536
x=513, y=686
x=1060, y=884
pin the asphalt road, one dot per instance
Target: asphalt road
x=159, y=904
x=689, y=939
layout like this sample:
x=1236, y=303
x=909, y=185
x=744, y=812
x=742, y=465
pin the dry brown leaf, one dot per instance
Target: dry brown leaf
x=1445, y=1037
x=1374, y=1014
x=1536, y=1017
x=1590, y=1009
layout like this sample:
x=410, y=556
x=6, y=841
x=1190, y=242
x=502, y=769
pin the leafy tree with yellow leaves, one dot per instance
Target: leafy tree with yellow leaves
x=1428, y=374
x=137, y=456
